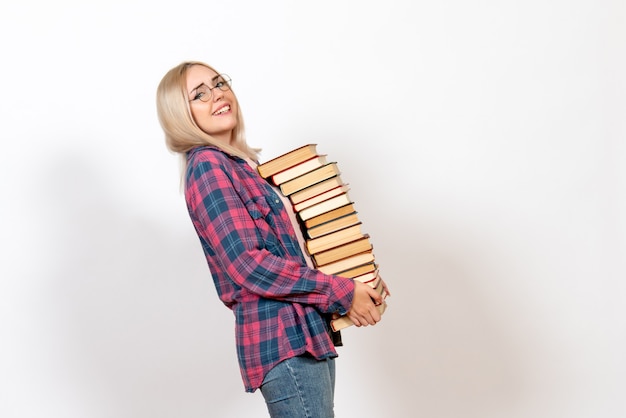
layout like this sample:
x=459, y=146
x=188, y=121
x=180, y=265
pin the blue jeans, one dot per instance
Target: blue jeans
x=300, y=387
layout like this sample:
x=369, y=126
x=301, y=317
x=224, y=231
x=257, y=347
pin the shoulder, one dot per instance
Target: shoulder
x=205, y=165
x=211, y=164
x=209, y=158
x=209, y=154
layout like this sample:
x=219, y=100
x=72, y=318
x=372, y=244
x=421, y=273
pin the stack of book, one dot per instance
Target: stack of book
x=330, y=224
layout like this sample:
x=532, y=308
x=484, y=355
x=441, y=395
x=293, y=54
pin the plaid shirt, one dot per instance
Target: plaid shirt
x=258, y=267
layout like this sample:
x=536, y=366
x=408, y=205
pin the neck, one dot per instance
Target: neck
x=225, y=138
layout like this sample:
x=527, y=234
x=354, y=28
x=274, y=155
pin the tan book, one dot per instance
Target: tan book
x=321, y=197
x=324, y=206
x=298, y=170
x=357, y=246
x=335, y=239
x=322, y=173
x=315, y=189
x=347, y=263
x=358, y=270
x=333, y=225
x=328, y=216
x=286, y=160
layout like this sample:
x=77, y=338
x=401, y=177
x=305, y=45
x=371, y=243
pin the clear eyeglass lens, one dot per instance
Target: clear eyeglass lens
x=222, y=83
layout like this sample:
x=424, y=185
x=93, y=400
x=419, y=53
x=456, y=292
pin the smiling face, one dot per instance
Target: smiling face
x=218, y=115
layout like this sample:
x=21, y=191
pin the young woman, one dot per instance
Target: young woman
x=254, y=250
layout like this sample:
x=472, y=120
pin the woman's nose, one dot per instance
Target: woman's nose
x=217, y=94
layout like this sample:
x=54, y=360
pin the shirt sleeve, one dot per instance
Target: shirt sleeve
x=224, y=222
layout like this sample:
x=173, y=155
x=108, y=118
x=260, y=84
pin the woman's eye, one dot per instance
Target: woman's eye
x=201, y=91
x=220, y=84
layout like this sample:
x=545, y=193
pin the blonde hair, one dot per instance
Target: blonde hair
x=182, y=133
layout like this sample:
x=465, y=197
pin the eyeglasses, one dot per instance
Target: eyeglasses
x=204, y=92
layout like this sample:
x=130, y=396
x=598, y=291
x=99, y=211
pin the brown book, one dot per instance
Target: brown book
x=357, y=246
x=322, y=173
x=324, y=206
x=333, y=225
x=335, y=239
x=344, y=321
x=289, y=159
x=298, y=170
x=358, y=270
x=330, y=215
x=347, y=263
x=315, y=189
x=321, y=197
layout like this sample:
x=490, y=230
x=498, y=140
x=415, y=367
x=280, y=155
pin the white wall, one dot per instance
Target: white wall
x=484, y=144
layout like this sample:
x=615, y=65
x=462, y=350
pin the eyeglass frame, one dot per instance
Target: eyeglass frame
x=225, y=87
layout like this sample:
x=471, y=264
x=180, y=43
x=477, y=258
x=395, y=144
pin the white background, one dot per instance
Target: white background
x=484, y=143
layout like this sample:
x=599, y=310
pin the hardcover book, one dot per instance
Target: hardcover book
x=333, y=225
x=370, y=278
x=343, y=251
x=348, y=263
x=298, y=170
x=315, y=189
x=330, y=215
x=287, y=160
x=324, y=206
x=334, y=239
x=298, y=207
x=358, y=270
x=322, y=173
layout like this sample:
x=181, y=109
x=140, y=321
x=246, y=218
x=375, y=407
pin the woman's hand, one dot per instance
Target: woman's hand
x=364, y=311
